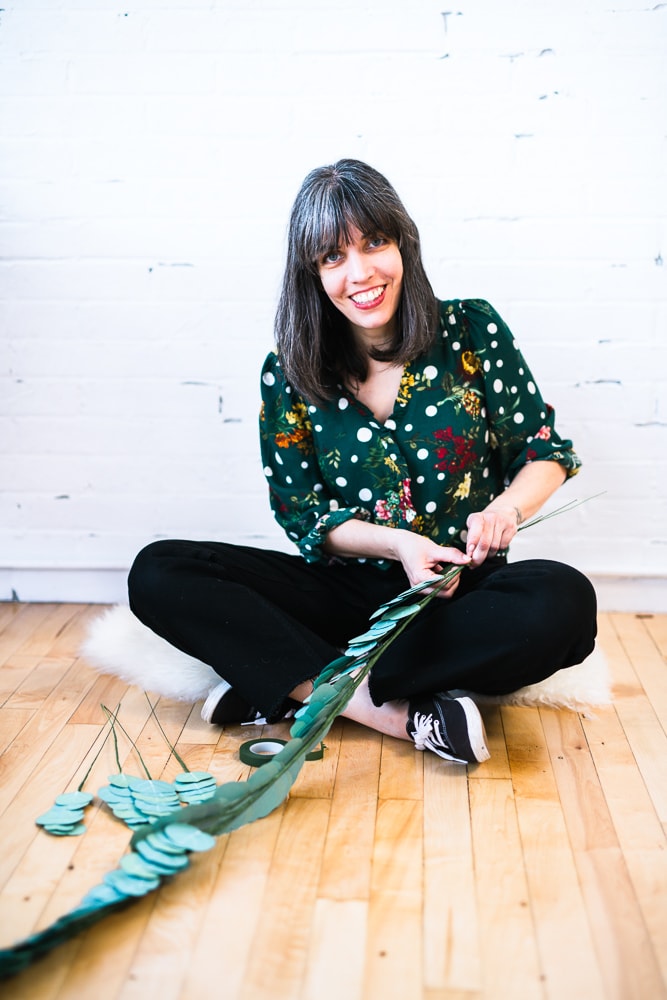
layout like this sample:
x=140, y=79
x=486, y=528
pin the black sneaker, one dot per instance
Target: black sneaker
x=450, y=727
x=224, y=707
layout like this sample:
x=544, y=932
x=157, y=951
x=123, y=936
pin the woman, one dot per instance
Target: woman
x=399, y=435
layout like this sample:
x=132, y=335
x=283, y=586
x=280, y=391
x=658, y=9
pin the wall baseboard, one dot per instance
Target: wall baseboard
x=646, y=594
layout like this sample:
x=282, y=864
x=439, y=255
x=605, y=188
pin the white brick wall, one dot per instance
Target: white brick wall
x=149, y=154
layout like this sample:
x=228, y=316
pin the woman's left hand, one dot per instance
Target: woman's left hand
x=490, y=531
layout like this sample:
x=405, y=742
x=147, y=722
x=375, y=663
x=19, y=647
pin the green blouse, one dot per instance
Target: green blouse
x=467, y=417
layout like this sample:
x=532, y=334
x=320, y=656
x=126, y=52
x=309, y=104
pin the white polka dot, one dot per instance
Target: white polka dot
x=268, y=471
x=420, y=479
x=333, y=505
x=431, y=411
x=312, y=409
x=364, y=434
x=492, y=328
x=452, y=319
x=531, y=388
x=408, y=428
x=486, y=437
x=268, y=378
x=513, y=390
x=293, y=534
x=354, y=458
x=376, y=426
x=422, y=453
x=393, y=456
x=498, y=385
x=365, y=494
x=518, y=418
x=288, y=479
x=520, y=371
x=501, y=410
x=494, y=344
x=430, y=371
x=278, y=458
x=485, y=474
x=456, y=346
x=431, y=506
x=318, y=487
x=304, y=465
x=441, y=475
x=343, y=403
x=487, y=366
x=317, y=427
x=451, y=531
x=499, y=363
x=341, y=481
x=390, y=424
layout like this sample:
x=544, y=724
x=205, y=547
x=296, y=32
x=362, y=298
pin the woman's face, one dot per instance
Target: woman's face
x=363, y=279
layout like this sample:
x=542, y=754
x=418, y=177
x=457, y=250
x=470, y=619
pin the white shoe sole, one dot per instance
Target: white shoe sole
x=214, y=696
x=476, y=731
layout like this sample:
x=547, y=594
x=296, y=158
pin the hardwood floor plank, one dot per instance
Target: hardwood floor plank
x=348, y=849
x=28, y=625
x=227, y=938
x=401, y=770
x=615, y=915
x=394, y=946
x=643, y=730
x=336, y=955
x=278, y=961
x=556, y=900
x=510, y=961
x=647, y=660
x=452, y=958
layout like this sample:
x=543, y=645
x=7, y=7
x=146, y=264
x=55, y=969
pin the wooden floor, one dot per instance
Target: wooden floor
x=387, y=874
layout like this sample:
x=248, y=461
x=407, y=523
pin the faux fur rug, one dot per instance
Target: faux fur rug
x=118, y=643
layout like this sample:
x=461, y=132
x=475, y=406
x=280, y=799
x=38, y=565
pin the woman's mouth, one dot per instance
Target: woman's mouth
x=366, y=300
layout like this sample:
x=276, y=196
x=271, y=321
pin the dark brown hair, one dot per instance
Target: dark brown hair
x=314, y=339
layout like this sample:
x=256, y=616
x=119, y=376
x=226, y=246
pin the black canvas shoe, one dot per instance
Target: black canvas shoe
x=224, y=707
x=450, y=727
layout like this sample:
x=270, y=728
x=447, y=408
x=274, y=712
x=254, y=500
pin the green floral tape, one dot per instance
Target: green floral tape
x=258, y=752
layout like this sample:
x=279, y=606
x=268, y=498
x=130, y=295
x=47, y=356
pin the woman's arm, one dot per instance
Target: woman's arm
x=420, y=557
x=493, y=528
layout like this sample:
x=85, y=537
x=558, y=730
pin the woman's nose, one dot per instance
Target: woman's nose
x=359, y=266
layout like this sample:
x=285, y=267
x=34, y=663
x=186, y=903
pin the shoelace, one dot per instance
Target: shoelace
x=423, y=730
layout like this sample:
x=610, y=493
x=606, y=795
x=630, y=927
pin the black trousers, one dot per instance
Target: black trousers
x=266, y=621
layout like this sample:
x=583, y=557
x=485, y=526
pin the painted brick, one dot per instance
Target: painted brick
x=149, y=157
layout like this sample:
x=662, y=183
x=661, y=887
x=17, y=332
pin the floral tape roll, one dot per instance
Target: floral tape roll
x=257, y=752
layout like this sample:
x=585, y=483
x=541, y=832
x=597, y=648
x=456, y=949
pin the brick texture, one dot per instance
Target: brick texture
x=149, y=154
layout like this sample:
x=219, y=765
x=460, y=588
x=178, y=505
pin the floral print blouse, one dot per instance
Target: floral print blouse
x=467, y=417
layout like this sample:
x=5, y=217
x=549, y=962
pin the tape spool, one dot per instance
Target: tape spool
x=258, y=752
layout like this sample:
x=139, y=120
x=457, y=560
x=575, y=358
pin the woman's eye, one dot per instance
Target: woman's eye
x=376, y=241
x=332, y=257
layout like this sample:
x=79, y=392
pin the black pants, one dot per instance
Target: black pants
x=266, y=621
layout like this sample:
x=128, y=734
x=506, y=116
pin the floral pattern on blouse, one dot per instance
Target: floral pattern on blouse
x=467, y=417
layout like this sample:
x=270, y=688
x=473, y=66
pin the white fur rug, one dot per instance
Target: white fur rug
x=118, y=643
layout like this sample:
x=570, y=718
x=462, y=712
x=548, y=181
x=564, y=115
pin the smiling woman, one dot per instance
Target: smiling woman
x=400, y=435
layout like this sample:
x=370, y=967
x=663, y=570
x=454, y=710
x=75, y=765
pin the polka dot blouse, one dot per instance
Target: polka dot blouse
x=467, y=417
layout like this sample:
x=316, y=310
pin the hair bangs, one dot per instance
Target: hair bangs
x=338, y=209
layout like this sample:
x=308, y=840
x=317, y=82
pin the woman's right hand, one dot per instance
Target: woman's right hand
x=422, y=559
